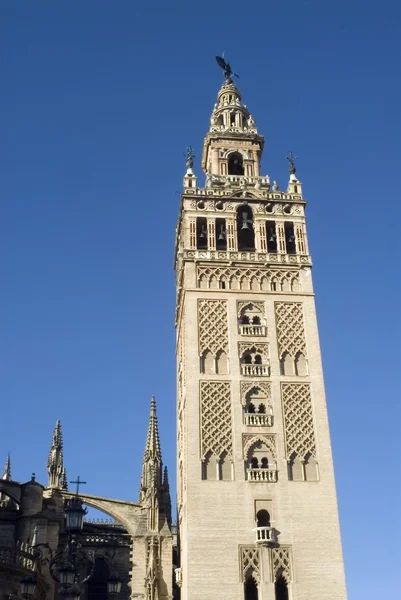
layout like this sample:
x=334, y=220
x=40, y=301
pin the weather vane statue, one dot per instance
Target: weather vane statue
x=189, y=153
x=228, y=72
x=291, y=159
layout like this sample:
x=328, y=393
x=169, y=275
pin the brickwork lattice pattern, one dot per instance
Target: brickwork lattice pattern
x=298, y=420
x=213, y=326
x=290, y=328
x=216, y=428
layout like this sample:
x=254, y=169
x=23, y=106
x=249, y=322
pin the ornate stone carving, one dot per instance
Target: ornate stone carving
x=213, y=326
x=244, y=278
x=249, y=440
x=254, y=348
x=290, y=328
x=216, y=427
x=298, y=420
x=260, y=306
x=250, y=563
x=280, y=560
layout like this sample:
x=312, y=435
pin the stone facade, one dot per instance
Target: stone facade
x=136, y=542
x=257, y=509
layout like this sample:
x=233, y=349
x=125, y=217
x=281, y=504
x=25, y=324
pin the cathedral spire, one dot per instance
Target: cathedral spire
x=152, y=471
x=55, y=460
x=7, y=469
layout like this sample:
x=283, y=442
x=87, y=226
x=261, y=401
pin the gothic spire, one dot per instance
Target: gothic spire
x=152, y=447
x=55, y=460
x=7, y=469
x=151, y=480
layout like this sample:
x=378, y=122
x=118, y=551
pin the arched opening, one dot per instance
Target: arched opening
x=221, y=237
x=286, y=365
x=263, y=518
x=201, y=233
x=254, y=463
x=251, y=408
x=97, y=584
x=281, y=589
x=235, y=164
x=246, y=234
x=289, y=238
x=247, y=359
x=207, y=363
x=221, y=363
x=209, y=468
x=225, y=467
x=264, y=463
x=301, y=365
x=258, y=359
x=250, y=589
x=271, y=236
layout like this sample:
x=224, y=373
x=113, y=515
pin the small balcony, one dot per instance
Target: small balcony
x=258, y=420
x=249, y=370
x=252, y=330
x=264, y=535
x=267, y=475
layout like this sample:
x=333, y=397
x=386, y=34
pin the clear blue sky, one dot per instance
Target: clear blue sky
x=98, y=102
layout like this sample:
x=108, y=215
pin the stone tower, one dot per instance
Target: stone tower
x=257, y=505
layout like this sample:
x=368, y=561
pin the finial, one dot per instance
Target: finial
x=7, y=469
x=33, y=477
x=291, y=159
x=226, y=68
x=55, y=459
x=189, y=153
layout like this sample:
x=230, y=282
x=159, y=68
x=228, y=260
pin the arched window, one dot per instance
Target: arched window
x=235, y=164
x=271, y=236
x=201, y=233
x=289, y=238
x=247, y=359
x=264, y=463
x=263, y=518
x=97, y=584
x=251, y=408
x=250, y=589
x=281, y=589
x=246, y=234
x=254, y=463
x=256, y=320
x=258, y=359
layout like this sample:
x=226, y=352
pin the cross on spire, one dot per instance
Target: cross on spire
x=78, y=483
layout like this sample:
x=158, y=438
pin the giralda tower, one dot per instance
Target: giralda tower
x=257, y=505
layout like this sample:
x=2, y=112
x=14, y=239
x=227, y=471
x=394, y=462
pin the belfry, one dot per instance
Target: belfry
x=257, y=508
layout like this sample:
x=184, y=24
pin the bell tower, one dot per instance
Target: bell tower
x=257, y=506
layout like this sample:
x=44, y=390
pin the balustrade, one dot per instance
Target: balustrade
x=268, y=475
x=252, y=330
x=264, y=535
x=258, y=420
x=254, y=370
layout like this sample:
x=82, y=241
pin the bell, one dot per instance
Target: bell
x=272, y=236
x=203, y=234
x=245, y=221
x=222, y=235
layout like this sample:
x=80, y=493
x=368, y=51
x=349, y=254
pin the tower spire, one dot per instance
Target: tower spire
x=7, y=469
x=55, y=460
x=152, y=470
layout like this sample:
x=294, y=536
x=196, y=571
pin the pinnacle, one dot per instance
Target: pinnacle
x=55, y=459
x=152, y=448
x=7, y=469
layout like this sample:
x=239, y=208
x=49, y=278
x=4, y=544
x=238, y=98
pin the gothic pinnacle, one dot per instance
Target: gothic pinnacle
x=152, y=447
x=64, y=480
x=55, y=460
x=7, y=469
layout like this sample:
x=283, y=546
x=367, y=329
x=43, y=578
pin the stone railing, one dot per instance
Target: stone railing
x=21, y=555
x=252, y=330
x=268, y=475
x=257, y=256
x=258, y=420
x=255, y=370
x=264, y=535
x=109, y=522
